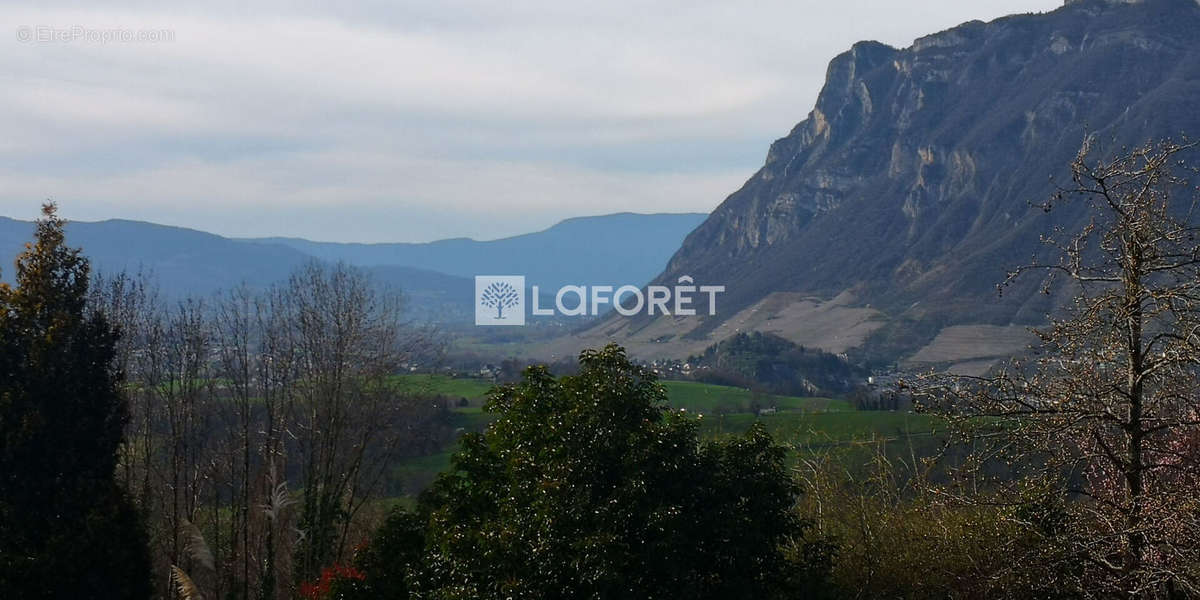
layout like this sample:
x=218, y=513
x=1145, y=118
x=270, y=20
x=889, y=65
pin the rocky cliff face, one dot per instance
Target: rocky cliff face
x=911, y=181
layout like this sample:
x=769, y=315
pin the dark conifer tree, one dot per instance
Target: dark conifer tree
x=67, y=529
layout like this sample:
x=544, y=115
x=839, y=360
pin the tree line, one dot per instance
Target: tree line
x=204, y=416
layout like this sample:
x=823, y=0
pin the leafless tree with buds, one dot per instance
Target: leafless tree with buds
x=1106, y=407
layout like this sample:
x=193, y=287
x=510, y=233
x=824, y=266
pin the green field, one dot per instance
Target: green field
x=803, y=424
x=694, y=396
x=411, y=475
x=444, y=385
x=815, y=430
x=706, y=399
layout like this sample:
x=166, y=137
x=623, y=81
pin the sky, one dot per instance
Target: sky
x=386, y=121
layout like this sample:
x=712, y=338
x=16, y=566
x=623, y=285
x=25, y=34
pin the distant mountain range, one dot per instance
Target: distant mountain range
x=620, y=248
x=885, y=219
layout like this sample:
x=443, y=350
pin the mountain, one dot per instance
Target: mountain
x=184, y=261
x=623, y=248
x=884, y=220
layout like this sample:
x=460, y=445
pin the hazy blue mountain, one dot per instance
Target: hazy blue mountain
x=623, y=248
x=185, y=261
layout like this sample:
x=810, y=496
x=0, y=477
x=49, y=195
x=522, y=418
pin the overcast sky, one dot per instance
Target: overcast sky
x=414, y=121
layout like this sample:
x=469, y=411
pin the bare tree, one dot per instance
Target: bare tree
x=236, y=397
x=349, y=340
x=131, y=302
x=243, y=322
x=165, y=353
x=1108, y=405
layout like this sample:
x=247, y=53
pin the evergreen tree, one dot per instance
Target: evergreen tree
x=67, y=529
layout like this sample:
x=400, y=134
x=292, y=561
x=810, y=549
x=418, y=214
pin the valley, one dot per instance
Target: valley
x=940, y=339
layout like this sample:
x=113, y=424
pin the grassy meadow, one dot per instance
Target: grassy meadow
x=805, y=424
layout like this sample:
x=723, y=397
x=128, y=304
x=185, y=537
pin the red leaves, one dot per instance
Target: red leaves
x=320, y=589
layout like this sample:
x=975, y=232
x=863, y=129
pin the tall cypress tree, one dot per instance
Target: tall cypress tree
x=67, y=529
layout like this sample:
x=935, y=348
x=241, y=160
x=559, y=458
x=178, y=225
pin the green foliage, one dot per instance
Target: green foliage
x=67, y=529
x=776, y=365
x=586, y=487
x=390, y=561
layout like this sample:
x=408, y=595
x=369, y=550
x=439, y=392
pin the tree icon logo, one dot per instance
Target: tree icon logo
x=499, y=300
x=499, y=296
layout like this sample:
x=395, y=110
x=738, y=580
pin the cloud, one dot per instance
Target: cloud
x=381, y=121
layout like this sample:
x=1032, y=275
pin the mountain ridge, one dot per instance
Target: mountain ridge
x=622, y=248
x=187, y=261
x=913, y=184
